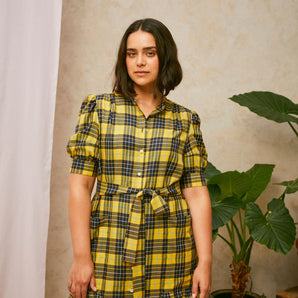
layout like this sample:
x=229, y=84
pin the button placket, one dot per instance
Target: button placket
x=141, y=149
x=130, y=286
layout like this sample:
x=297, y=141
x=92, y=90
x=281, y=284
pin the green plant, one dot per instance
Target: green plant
x=270, y=105
x=234, y=194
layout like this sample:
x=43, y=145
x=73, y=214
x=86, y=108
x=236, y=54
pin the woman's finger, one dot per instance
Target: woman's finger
x=72, y=290
x=69, y=285
x=78, y=292
x=195, y=285
x=84, y=289
x=93, y=283
x=204, y=291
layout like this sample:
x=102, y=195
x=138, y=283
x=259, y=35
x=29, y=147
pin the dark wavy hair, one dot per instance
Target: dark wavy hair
x=170, y=72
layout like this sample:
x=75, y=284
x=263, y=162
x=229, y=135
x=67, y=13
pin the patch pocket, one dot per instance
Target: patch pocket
x=179, y=213
x=95, y=224
x=180, y=227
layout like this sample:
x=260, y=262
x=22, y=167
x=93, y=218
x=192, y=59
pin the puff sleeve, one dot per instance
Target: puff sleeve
x=195, y=156
x=83, y=146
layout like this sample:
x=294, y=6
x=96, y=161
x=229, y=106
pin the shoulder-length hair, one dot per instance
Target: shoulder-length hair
x=170, y=72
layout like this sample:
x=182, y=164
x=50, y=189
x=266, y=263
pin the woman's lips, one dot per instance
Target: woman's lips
x=141, y=73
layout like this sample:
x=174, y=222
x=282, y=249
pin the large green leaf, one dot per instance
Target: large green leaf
x=214, y=192
x=224, y=211
x=231, y=184
x=275, y=229
x=269, y=105
x=260, y=175
x=291, y=186
x=211, y=170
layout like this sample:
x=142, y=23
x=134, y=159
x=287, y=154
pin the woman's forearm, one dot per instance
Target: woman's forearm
x=200, y=208
x=79, y=206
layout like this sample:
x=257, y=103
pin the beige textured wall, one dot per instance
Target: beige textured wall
x=225, y=47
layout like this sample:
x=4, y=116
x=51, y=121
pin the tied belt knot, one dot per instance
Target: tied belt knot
x=158, y=203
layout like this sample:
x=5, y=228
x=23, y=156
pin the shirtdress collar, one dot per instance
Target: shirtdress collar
x=158, y=109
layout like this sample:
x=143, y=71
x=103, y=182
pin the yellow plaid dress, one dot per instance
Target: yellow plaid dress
x=141, y=237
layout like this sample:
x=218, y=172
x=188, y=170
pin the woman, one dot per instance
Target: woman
x=150, y=217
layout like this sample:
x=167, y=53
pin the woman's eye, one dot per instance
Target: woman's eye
x=131, y=54
x=150, y=54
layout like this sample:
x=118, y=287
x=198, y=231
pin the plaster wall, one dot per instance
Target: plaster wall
x=225, y=48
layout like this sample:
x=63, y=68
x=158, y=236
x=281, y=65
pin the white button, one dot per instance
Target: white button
x=131, y=290
x=139, y=174
x=142, y=151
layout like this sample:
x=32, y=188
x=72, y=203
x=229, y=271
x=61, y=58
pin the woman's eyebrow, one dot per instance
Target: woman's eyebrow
x=146, y=48
x=150, y=48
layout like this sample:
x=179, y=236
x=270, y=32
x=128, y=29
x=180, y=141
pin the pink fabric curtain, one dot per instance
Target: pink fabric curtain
x=29, y=57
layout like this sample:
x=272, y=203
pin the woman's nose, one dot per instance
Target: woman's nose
x=141, y=60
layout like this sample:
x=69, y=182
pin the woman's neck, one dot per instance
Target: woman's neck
x=147, y=97
x=147, y=102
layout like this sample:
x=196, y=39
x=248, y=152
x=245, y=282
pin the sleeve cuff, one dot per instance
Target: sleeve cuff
x=193, y=180
x=84, y=167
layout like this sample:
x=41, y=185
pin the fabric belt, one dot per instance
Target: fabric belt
x=159, y=206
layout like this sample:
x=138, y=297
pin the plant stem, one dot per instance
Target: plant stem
x=240, y=237
x=295, y=131
x=230, y=244
x=282, y=196
x=242, y=225
x=232, y=237
x=245, y=250
x=248, y=252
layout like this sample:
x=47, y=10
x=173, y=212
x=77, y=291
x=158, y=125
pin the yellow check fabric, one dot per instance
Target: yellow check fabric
x=141, y=238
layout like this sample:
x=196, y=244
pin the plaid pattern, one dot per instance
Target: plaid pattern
x=141, y=238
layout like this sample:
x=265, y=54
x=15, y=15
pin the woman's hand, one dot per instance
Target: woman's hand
x=202, y=280
x=81, y=275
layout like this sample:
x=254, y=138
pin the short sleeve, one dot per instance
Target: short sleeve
x=83, y=146
x=195, y=156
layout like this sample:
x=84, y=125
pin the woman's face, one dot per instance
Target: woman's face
x=141, y=60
